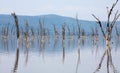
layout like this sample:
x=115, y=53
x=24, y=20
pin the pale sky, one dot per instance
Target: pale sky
x=84, y=8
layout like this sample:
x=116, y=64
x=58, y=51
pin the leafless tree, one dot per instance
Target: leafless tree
x=107, y=36
x=18, y=42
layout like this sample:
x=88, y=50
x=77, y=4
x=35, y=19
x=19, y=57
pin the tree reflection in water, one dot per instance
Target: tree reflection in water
x=107, y=35
x=71, y=41
x=16, y=61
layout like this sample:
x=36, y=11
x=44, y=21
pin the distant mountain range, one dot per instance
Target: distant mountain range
x=49, y=20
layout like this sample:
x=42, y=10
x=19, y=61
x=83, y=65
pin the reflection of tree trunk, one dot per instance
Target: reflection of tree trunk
x=18, y=42
x=16, y=61
x=27, y=53
x=63, y=41
x=55, y=43
x=5, y=44
x=107, y=35
x=63, y=47
x=93, y=41
x=78, y=60
x=79, y=30
x=97, y=43
x=83, y=37
x=109, y=58
x=42, y=45
x=107, y=53
x=69, y=41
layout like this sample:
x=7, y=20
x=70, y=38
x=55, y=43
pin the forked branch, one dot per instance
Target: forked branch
x=100, y=24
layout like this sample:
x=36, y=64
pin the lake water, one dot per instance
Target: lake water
x=56, y=56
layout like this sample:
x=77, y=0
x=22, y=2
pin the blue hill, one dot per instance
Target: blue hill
x=49, y=20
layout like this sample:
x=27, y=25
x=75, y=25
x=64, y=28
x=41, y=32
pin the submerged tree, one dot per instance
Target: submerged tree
x=117, y=32
x=107, y=36
x=63, y=42
x=79, y=31
x=56, y=31
x=18, y=42
x=17, y=28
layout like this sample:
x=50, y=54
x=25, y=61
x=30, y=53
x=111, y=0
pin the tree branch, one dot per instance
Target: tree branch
x=110, y=12
x=114, y=20
x=100, y=24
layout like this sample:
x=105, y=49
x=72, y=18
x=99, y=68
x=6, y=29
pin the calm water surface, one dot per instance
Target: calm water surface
x=54, y=56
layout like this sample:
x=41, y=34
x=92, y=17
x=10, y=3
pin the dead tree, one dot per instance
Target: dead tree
x=117, y=32
x=63, y=42
x=18, y=42
x=78, y=24
x=33, y=34
x=79, y=30
x=17, y=28
x=55, y=31
x=107, y=35
x=69, y=32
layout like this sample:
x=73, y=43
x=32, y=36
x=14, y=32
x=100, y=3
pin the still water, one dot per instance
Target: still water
x=56, y=56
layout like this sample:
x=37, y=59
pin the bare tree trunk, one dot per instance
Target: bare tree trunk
x=18, y=42
x=107, y=36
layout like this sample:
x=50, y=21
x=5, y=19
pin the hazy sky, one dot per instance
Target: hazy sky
x=84, y=8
